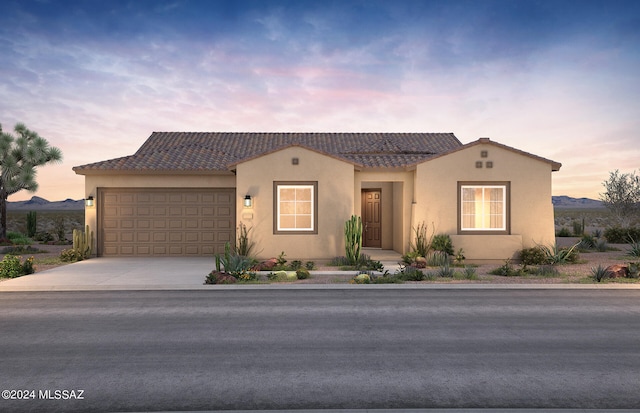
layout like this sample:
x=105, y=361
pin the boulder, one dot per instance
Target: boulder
x=225, y=279
x=617, y=271
x=421, y=262
x=267, y=265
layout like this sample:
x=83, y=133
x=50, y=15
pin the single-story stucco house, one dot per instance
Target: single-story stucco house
x=184, y=194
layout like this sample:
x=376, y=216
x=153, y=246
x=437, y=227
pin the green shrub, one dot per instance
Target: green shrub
x=557, y=255
x=366, y=263
x=459, y=257
x=423, y=240
x=618, y=235
x=578, y=228
x=437, y=259
x=443, y=243
x=302, y=273
x=234, y=264
x=563, y=232
x=410, y=273
x=470, y=273
x=17, y=238
x=587, y=242
x=533, y=256
x=20, y=250
x=71, y=255
x=281, y=261
x=11, y=267
x=410, y=257
x=60, y=228
x=339, y=262
x=310, y=265
x=244, y=246
x=445, y=271
x=386, y=278
x=634, y=251
x=544, y=271
x=362, y=278
x=295, y=265
x=601, y=246
x=43, y=237
x=599, y=273
x=507, y=270
x=283, y=276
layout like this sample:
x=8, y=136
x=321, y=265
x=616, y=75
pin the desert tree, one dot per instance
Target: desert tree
x=622, y=196
x=20, y=155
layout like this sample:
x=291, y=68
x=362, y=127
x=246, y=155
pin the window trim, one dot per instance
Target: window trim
x=484, y=231
x=276, y=207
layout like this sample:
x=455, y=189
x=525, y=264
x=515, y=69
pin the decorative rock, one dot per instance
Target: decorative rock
x=268, y=264
x=421, y=262
x=617, y=271
x=225, y=279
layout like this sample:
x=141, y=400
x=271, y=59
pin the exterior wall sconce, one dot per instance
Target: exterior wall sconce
x=247, y=201
x=89, y=201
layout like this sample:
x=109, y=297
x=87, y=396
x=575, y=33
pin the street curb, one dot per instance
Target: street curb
x=239, y=287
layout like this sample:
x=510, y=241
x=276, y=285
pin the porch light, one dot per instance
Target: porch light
x=247, y=201
x=89, y=201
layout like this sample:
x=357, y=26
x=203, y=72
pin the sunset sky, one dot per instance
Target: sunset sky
x=560, y=79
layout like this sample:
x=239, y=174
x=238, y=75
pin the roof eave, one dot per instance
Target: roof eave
x=80, y=171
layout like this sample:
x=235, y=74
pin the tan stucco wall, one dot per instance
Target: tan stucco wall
x=531, y=207
x=335, y=202
x=93, y=182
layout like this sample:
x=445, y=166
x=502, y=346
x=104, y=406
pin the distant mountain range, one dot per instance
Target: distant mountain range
x=40, y=204
x=568, y=202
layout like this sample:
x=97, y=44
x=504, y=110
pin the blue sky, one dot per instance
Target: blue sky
x=556, y=78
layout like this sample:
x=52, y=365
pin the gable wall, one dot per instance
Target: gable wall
x=531, y=206
x=335, y=202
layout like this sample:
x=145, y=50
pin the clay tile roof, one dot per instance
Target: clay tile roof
x=218, y=151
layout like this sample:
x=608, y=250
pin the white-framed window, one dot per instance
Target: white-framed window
x=295, y=207
x=484, y=207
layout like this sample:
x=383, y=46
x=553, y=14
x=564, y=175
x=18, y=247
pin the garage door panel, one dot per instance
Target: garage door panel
x=155, y=221
x=160, y=250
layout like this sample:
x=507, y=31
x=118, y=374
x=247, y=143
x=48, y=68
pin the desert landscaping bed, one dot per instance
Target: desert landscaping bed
x=569, y=273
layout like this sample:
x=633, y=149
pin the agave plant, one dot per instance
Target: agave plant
x=556, y=255
x=599, y=273
x=634, y=250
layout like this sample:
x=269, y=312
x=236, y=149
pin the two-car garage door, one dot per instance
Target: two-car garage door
x=165, y=221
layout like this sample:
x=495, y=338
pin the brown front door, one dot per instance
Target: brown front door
x=371, y=218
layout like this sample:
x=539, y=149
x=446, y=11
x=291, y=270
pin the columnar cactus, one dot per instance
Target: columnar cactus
x=353, y=239
x=83, y=242
x=32, y=223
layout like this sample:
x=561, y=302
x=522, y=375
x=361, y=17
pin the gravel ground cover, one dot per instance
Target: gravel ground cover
x=570, y=273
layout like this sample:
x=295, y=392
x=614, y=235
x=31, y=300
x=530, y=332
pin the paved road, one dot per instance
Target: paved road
x=304, y=349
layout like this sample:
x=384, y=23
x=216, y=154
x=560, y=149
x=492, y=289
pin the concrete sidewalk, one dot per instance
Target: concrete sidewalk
x=189, y=274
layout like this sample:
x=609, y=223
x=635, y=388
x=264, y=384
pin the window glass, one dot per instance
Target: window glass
x=483, y=207
x=295, y=204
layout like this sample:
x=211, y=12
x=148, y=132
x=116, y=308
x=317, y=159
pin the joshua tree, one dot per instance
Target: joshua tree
x=19, y=158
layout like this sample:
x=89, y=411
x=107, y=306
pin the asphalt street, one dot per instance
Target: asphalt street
x=319, y=349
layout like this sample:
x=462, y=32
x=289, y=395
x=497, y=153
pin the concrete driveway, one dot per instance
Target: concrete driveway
x=118, y=273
